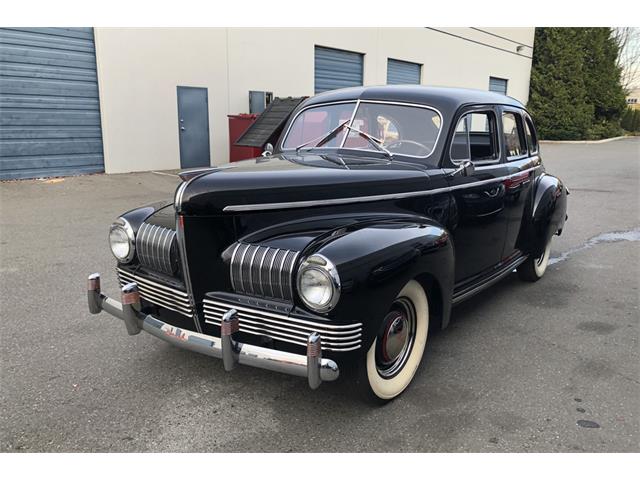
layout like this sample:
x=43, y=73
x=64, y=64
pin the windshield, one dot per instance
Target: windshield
x=398, y=129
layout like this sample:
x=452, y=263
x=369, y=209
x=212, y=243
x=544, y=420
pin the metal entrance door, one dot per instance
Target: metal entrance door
x=193, y=127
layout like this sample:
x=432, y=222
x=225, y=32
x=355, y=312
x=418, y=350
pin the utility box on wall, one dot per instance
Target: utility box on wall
x=238, y=124
x=258, y=101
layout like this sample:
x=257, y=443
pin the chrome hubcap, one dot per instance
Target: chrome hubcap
x=396, y=338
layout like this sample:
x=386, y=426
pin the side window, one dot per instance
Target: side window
x=475, y=138
x=514, y=141
x=532, y=140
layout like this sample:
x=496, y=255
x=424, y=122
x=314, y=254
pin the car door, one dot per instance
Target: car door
x=478, y=221
x=521, y=158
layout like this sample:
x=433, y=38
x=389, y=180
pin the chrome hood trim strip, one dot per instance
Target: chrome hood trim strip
x=371, y=198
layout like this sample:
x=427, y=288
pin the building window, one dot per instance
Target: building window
x=337, y=69
x=498, y=85
x=400, y=72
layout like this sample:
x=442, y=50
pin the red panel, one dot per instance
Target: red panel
x=238, y=124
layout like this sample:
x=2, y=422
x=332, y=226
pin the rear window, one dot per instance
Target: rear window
x=532, y=140
x=513, y=135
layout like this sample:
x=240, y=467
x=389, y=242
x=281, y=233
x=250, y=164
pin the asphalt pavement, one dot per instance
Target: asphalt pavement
x=547, y=367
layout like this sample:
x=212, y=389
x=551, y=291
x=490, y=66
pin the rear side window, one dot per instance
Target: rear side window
x=475, y=138
x=514, y=141
x=532, y=140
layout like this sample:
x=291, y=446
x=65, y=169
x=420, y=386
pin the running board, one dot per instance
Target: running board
x=488, y=281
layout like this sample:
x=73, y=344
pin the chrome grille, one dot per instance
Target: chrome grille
x=156, y=248
x=337, y=338
x=158, y=294
x=263, y=271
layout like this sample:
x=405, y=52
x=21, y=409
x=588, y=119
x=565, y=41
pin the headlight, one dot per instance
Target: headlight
x=121, y=240
x=318, y=283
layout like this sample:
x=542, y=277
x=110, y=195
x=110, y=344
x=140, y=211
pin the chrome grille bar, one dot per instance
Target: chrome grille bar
x=156, y=248
x=263, y=271
x=157, y=293
x=338, y=338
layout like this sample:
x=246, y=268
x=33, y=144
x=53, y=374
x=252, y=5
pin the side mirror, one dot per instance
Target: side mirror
x=466, y=169
x=268, y=150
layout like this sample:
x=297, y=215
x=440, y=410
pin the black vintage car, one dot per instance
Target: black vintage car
x=337, y=251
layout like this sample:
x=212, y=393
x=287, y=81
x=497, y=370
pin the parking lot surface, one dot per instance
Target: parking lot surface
x=551, y=366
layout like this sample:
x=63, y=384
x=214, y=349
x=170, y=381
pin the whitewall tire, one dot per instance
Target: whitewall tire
x=395, y=355
x=533, y=269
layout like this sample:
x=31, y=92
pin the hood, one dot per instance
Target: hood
x=293, y=178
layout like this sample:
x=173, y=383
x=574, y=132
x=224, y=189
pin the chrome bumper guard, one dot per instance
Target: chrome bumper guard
x=232, y=352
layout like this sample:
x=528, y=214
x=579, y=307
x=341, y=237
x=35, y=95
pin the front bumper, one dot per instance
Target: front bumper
x=232, y=352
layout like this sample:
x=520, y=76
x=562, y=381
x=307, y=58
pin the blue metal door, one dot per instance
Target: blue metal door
x=401, y=73
x=49, y=106
x=193, y=127
x=337, y=69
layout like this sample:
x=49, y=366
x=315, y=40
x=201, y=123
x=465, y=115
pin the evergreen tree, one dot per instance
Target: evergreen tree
x=627, y=120
x=576, y=91
x=602, y=80
x=558, y=98
x=635, y=121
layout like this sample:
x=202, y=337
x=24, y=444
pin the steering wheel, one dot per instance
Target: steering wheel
x=398, y=143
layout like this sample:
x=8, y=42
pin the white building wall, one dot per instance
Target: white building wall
x=139, y=69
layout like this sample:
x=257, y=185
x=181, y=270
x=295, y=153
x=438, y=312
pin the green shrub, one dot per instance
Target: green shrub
x=605, y=129
x=627, y=120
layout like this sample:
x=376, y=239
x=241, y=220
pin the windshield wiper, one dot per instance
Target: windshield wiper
x=323, y=139
x=376, y=142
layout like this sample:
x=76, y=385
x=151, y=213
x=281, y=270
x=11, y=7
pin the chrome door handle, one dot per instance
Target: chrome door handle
x=493, y=192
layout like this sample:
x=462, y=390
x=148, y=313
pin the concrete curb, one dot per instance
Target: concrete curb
x=606, y=140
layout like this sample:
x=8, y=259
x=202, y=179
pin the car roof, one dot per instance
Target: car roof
x=445, y=99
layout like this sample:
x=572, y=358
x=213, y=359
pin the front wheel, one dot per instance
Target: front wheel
x=532, y=269
x=395, y=355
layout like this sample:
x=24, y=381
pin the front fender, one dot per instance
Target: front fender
x=376, y=260
x=548, y=214
x=162, y=210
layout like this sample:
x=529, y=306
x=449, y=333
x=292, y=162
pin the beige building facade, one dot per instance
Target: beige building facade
x=139, y=71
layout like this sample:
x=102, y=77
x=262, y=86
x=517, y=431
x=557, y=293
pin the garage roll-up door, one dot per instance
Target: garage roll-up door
x=49, y=107
x=401, y=73
x=498, y=85
x=337, y=69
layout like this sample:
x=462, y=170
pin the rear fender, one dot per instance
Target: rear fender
x=549, y=213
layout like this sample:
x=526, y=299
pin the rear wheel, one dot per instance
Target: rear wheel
x=533, y=269
x=394, y=357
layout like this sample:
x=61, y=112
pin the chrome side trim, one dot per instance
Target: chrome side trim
x=497, y=276
x=369, y=198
